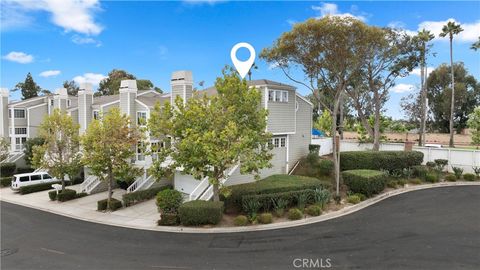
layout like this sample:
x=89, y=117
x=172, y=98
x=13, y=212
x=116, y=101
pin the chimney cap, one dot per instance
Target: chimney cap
x=62, y=92
x=182, y=75
x=128, y=84
x=4, y=92
x=87, y=87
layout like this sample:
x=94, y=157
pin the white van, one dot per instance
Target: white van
x=28, y=179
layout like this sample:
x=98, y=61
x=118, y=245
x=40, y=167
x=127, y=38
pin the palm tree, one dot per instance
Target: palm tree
x=451, y=29
x=423, y=37
x=476, y=45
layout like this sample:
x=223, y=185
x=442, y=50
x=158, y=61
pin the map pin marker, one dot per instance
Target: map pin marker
x=242, y=66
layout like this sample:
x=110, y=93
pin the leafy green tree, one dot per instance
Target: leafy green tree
x=476, y=45
x=474, y=124
x=72, y=87
x=324, y=123
x=108, y=146
x=327, y=53
x=467, y=96
x=29, y=145
x=111, y=84
x=210, y=135
x=29, y=88
x=4, y=148
x=59, y=154
x=451, y=29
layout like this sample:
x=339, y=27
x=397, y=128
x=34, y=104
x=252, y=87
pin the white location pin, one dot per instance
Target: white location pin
x=242, y=66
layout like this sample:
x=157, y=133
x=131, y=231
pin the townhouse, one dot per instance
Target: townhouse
x=289, y=120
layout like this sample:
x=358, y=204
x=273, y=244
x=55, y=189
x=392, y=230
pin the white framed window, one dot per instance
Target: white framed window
x=271, y=95
x=140, y=152
x=20, y=142
x=141, y=118
x=296, y=105
x=276, y=142
x=69, y=103
x=284, y=96
x=21, y=131
x=278, y=96
x=17, y=113
x=52, y=102
x=96, y=114
x=283, y=142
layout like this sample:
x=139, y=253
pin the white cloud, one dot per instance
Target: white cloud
x=71, y=15
x=49, y=73
x=291, y=22
x=19, y=57
x=85, y=40
x=470, y=32
x=93, y=78
x=330, y=9
x=416, y=71
x=402, y=88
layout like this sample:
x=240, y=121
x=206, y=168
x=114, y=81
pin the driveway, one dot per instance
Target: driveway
x=428, y=229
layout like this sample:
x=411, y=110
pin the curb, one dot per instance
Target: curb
x=281, y=225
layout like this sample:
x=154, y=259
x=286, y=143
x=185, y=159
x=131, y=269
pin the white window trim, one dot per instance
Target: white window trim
x=93, y=114
x=280, y=94
x=146, y=117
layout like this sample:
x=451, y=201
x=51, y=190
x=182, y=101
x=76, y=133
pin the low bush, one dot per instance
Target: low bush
x=81, y=194
x=200, y=212
x=168, y=219
x=325, y=167
x=66, y=195
x=441, y=163
x=52, y=195
x=353, y=199
x=321, y=196
x=458, y=172
x=380, y=160
x=35, y=188
x=314, y=210
x=367, y=182
x=272, y=184
x=415, y=181
x=251, y=205
x=265, y=218
x=469, y=177
x=24, y=170
x=392, y=184
x=361, y=196
x=7, y=169
x=279, y=205
x=420, y=171
x=314, y=148
x=6, y=181
x=265, y=202
x=240, y=220
x=450, y=177
x=401, y=182
x=431, y=177
x=114, y=204
x=295, y=214
x=169, y=200
x=142, y=195
x=431, y=164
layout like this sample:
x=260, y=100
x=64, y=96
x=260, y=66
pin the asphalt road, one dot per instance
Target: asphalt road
x=429, y=229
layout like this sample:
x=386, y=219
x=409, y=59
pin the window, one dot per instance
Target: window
x=296, y=105
x=51, y=102
x=155, y=148
x=46, y=176
x=96, y=114
x=278, y=96
x=282, y=142
x=21, y=131
x=271, y=95
x=69, y=103
x=140, y=155
x=276, y=142
x=141, y=118
x=24, y=179
x=35, y=177
x=19, y=142
x=18, y=113
x=284, y=96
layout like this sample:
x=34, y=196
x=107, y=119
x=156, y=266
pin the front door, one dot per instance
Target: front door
x=20, y=143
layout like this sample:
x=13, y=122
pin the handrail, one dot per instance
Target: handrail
x=199, y=189
x=208, y=194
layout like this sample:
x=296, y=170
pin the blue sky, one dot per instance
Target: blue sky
x=84, y=40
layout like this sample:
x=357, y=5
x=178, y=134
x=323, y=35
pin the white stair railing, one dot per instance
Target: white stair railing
x=141, y=183
x=208, y=194
x=13, y=157
x=89, y=184
x=199, y=190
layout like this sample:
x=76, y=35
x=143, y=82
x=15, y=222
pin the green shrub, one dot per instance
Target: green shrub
x=279, y=205
x=24, y=170
x=265, y=218
x=169, y=219
x=303, y=198
x=35, y=188
x=272, y=184
x=169, y=200
x=431, y=164
x=52, y=195
x=240, y=220
x=325, y=167
x=469, y=177
x=353, y=199
x=380, y=160
x=265, y=201
x=392, y=184
x=450, y=177
x=441, y=163
x=420, y=171
x=142, y=195
x=314, y=210
x=476, y=170
x=7, y=169
x=6, y=181
x=66, y=195
x=361, y=196
x=114, y=204
x=431, y=177
x=314, y=148
x=81, y=194
x=458, y=172
x=295, y=214
x=401, y=182
x=367, y=182
x=321, y=196
x=200, y=212
x=415, y=181
x=251, y=205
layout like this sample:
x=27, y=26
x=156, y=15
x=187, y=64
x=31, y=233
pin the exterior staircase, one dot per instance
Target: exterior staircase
x=93, y=185
x=13, y=157
x=204, y=191
x=141, y=183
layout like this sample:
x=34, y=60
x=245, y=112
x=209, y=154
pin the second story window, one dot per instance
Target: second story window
x=141, y=118
x=278, y=96
x=19, y=113
x=96, y=114
x=69, y=103
x=52, y=102
x=20, y=131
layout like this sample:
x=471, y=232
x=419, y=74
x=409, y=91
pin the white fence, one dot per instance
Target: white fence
x=463, y=158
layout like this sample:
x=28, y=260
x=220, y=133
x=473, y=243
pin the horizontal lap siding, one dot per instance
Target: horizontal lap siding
x=281, y=115
x=298, y=142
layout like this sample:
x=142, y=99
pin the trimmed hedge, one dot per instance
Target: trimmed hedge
x=142, y=195
x=272, y=184
x=200, y=212
x=7, y=169
x=469, y=177
x=168, y=219
x=265, y=218
x=325, y=167
x=66, y=195
x=169, y=200
x=35, y=188
x=314, y=210
x=240, y=220
x=53, y=195
x=380, y=160
x=6, y=181
x=291, y=197
x=294, y=214
x=420, y=171
x=114, y=204
x=367, y=182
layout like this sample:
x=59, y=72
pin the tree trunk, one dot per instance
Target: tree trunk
x=452, y=102
x=423, y=96
x=63, y=182
x=376, y=125
x=110, y=188
x=336, y=154
x=216, y=193
x=341, y=115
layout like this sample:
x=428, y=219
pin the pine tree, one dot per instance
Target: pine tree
x=29, y=88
